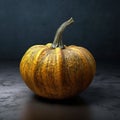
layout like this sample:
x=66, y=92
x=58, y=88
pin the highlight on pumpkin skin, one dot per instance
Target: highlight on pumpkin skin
x=58, y=36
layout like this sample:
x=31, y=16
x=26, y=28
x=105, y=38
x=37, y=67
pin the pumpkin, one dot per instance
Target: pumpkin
x=57, y=71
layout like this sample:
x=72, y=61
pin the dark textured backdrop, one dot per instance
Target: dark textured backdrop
x=24, y=23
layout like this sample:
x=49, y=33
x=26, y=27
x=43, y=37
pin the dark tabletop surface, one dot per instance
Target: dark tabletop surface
x=101, y=101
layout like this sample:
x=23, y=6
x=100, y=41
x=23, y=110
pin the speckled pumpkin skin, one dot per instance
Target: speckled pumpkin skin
x=57, y=73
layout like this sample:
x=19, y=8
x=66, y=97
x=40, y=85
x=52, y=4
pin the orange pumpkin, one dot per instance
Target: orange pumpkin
x=57, y=71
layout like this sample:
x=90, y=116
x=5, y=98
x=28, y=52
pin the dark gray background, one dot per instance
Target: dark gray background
x=24, y=23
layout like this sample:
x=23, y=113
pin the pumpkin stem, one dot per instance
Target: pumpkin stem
x=58, y=36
